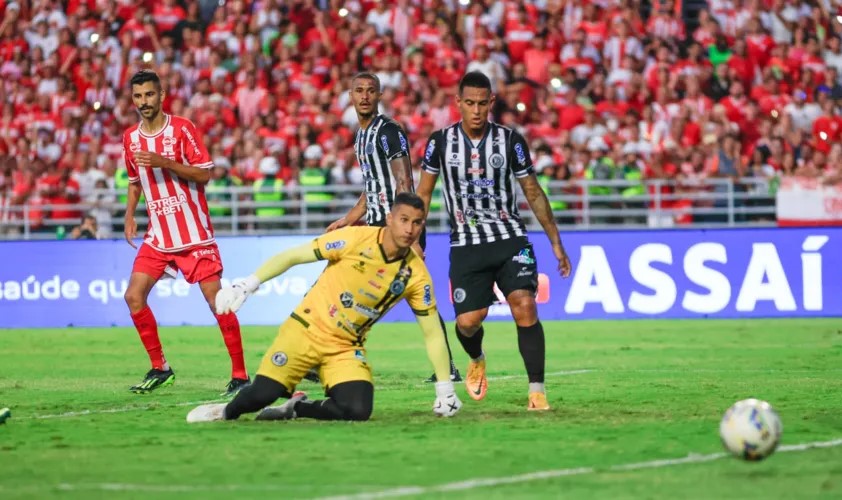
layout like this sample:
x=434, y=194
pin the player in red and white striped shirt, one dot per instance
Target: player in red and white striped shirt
x=168, y=163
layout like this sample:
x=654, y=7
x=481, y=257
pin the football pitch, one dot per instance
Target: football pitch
x=636, y=409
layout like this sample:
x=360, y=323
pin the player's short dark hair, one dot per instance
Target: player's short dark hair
x=409, y=199
x=143, y=76
x=474, y=79
x=367, y=75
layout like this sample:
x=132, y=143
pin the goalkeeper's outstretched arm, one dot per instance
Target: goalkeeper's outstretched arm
x=436, y=347
x=230, y=299
x=447, y=402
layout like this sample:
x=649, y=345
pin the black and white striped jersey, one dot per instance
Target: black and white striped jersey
x=377, y=145
x=478, y=181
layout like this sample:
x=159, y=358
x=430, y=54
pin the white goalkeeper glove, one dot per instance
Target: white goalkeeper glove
x=231, y=298
x=447, y=403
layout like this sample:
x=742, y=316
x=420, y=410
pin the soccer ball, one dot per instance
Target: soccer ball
x=750, y=429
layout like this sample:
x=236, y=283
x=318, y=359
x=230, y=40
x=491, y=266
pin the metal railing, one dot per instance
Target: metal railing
x=579, y=205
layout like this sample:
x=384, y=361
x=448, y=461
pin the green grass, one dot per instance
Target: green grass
x=654, y=390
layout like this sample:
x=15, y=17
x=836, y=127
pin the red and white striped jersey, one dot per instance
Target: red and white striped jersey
x=178, y=210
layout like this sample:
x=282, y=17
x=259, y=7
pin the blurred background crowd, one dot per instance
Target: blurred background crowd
x=602, y=89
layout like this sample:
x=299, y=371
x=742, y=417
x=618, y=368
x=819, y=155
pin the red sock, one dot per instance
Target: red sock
x=230, y=328
x=147, y=327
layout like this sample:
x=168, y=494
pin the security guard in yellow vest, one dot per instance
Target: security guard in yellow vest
x=269, y=190
x=435, y=201
x=121, y=184
x=313, y=175
x=631, y=172
x=544, y=179
x=217, y=188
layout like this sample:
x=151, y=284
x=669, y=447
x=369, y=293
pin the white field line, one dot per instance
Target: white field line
x=125, y=409
x=121, y=409
x=469, y=484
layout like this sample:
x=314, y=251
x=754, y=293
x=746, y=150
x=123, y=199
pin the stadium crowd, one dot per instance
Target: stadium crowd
x=603, y=89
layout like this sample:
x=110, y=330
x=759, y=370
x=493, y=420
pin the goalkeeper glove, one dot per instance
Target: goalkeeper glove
x=447, y=403
x=231, y=298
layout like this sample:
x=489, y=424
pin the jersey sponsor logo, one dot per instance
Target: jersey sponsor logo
x=360, y=355
x=203, y=252
x=346, y=299
x=459, y=295
x=166, y=206
x=431, y=147
x=524, y=257
x=332, y=310
x=402, y=139
x=367, y=254
x=477, y=171
x=477, y=182
x=384, y=141
x=367, y=294
x=475, y=156
x=428, y=295
x=520, y=154
x=192, y=140
x=279, y=358
x=366, y=311
x=359, y=267
x=381, y=273
x=334, y=245
x=479, y=196
x=404, y=273
x=134, y=147
x=397, y=287
x=168, y=142
x=365, y=167
x=497, y=160
x=375, y=285
x=369, y=148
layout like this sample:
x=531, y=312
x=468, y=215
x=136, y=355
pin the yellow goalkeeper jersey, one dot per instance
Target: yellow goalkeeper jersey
x=359, y=285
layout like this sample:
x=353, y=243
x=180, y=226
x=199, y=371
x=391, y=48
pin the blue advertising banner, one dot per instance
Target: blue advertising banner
x=727, y=273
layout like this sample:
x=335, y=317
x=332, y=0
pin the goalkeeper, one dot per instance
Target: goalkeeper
x=369, y=270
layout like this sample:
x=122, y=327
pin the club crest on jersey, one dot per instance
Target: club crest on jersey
x=346, y=299
x=497, y=160
x=397, y=287
x=279, y=358
x=520, y=154
x=402, y=140
x=369, y=148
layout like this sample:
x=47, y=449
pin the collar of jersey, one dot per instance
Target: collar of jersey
x=467, y=139
x=166, y=124
x=373, y=119
x=383, y=251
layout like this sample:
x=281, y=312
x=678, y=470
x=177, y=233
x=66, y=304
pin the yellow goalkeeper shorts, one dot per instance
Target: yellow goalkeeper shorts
x=296, y=350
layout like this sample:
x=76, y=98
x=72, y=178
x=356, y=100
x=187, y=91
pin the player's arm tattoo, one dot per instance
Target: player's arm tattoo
x=540, y=206
x=402, y=170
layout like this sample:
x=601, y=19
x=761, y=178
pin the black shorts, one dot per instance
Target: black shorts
x=475, y=268
x=422, y=240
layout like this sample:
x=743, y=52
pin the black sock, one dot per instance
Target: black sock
x=255, y=396
x=530, y=342
x=447, y=343
x=472, y=345
x=348, y=401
